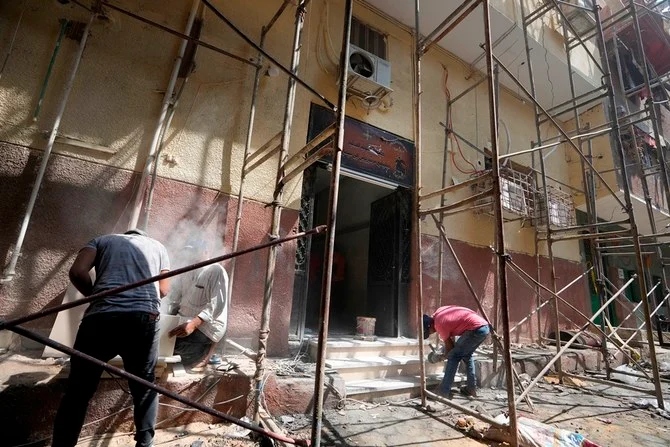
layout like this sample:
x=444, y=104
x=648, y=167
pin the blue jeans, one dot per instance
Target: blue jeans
x=463, y=349
x=133, y=336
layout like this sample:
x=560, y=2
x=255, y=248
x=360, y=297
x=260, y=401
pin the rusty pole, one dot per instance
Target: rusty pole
x=615, y=138
x=331, y=222
x=264, y=331
x=501, y=256
x=416, y=288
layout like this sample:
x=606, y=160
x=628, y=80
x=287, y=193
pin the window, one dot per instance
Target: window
x=368, y=39
x=513, y=197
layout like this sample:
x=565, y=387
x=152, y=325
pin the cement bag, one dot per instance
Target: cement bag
x=536, y=434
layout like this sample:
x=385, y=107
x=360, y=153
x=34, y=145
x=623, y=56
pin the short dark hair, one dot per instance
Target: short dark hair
x=427, y=325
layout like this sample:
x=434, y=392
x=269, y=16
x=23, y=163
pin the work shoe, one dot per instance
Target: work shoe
x=468, y=392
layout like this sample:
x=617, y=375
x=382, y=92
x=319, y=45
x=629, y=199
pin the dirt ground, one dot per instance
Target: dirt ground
x=606, y=415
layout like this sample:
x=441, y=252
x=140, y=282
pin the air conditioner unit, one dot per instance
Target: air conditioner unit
x=369, y=75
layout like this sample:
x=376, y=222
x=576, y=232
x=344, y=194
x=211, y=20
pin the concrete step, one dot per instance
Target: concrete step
x=380, y=367
x=394, y=388
x=348, y=347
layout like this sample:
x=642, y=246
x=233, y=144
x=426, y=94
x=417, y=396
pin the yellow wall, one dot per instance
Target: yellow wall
x=118, y=92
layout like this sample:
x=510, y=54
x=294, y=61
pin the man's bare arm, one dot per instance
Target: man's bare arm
x=164, y=285
x=79, y=271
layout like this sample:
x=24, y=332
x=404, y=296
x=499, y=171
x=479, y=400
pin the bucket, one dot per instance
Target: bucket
x=365, y=325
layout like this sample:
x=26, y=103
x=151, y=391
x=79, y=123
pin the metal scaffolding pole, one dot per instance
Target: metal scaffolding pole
x=331, y=220
x=10, y=269
x=288, y=71
x=545, y=192
x=526, y=278
x=276, y=211
x=565, y=347
x=416, y=280
x=245, y=159
x=501, y=255
x=616, y=140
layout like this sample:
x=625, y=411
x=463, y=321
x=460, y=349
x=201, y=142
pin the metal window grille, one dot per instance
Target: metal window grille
x=561, y=208
x=517, y=193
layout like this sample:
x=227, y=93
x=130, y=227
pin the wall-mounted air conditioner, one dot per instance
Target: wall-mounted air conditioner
x=369, y=75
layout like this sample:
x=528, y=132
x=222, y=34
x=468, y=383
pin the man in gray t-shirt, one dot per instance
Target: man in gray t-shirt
x=124, y=324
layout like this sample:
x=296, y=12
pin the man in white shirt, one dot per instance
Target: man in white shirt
x=202, y=297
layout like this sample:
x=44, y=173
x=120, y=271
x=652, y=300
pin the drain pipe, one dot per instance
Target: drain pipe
x=10, y=269
x=167, y=99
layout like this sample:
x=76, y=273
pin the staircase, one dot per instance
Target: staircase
x=384, y=368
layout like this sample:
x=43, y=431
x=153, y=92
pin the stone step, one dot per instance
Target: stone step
x=402, y=387
x=380, y=367
x=348, y=347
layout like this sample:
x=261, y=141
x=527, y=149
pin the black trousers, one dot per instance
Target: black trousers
x=192, y=348
x=133, y=336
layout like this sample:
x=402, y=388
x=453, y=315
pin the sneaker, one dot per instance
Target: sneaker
x=469, y=392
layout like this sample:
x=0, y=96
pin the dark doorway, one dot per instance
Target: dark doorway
x=371, y=259
x=388, y=265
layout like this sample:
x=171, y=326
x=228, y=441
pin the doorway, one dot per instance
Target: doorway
x=370, y=261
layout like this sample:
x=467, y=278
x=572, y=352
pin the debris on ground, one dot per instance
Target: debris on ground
x=552, y=379
x=625, y=378
x=533, y=433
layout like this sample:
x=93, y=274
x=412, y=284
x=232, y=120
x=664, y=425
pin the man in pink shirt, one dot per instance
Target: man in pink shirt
x=472, y=329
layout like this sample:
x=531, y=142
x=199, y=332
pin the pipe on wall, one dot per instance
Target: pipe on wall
x=165, y=107
x=10, y=270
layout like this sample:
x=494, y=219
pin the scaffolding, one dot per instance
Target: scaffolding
x=503, y=190
x=538, y=195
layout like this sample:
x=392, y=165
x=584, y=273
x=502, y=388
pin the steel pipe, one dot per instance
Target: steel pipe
x=138, y=200
x=10, y=270
x=574, y=337
x=178, y=34
x=289, y=106
x=331, y=219
x=501, y=256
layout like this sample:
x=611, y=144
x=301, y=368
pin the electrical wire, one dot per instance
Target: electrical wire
x=451, y=135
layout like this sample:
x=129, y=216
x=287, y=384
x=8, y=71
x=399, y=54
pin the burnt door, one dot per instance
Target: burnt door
x=388, y=263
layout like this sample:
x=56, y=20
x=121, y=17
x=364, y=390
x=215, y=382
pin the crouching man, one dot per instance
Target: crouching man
x=201, y=296
x=472, y=329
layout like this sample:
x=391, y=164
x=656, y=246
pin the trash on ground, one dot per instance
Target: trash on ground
x=552, y=379
x=574, y=382
x=624, y=378
x=536, y=434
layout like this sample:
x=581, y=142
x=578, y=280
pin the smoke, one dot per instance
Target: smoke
x=198, y=236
